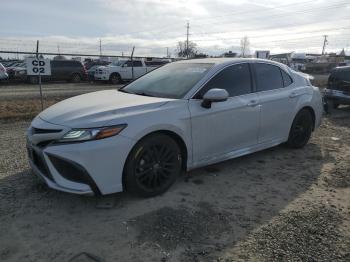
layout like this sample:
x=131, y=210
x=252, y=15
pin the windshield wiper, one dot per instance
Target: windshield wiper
x=124, y=91
x=136, y=93
x=143, y=94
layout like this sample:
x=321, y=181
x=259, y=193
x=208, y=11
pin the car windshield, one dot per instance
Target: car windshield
x=169, y=81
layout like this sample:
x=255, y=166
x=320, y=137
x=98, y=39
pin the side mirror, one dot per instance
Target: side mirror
x=214, y=95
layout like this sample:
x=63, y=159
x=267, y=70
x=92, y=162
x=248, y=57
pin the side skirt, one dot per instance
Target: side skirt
x=236, y=153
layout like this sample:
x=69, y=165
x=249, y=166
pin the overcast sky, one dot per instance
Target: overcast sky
x=154, y=25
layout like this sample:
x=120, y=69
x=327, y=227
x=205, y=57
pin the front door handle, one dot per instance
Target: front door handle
x=252, y=103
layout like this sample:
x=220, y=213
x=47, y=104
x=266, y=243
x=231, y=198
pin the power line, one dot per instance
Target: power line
x=274, y=34
x=269, y=16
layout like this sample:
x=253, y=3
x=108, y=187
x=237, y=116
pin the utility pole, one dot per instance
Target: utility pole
x=58, y=49
x=188, y=30
x=40, y=88
x=100, y=48
x=132, y=63
x=325, y=41
x=167, y=52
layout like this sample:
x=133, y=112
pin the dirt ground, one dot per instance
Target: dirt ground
x=275, y=205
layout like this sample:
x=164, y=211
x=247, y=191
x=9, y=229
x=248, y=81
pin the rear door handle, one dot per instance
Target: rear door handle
x=252, y=103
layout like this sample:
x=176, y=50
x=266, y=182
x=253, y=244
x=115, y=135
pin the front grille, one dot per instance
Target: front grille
x=44, y=131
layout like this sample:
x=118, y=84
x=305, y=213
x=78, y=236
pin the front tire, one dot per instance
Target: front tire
x=301, y=129
x=115, y=79
x=152, y=166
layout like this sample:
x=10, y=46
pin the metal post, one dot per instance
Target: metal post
x=188, y=28
x=40, y=88
x=132, y=63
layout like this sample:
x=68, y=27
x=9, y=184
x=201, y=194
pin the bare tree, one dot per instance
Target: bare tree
x=245, y=44
x=182, y=49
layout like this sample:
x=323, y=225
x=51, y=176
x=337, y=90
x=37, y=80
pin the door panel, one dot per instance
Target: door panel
x=276, y=114
x=276, y=101
x=225, y=127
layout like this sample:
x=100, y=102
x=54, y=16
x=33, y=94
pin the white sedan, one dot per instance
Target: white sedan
x=181, y=116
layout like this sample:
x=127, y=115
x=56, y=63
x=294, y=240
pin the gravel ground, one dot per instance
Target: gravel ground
x=275, y=205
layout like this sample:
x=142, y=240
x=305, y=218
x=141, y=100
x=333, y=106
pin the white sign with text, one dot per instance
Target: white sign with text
x=38, y=66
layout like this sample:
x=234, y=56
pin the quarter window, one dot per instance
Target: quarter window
x=268, y=77
x=287, y=80
x=234, y=79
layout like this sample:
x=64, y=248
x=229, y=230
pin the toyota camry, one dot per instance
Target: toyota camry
x=181, y=116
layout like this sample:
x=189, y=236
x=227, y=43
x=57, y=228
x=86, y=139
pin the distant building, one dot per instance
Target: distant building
x=262, y=54
x=230, y=54
x=200, y=55
x=284, y=58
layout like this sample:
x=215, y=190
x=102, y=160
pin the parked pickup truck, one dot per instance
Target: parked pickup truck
x=121, y=70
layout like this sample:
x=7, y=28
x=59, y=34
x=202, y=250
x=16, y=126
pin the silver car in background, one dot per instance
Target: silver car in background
x=181, y=116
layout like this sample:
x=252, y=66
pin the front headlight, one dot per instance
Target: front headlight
x=77, y=135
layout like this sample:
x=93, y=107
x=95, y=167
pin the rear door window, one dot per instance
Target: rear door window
x=268, y=77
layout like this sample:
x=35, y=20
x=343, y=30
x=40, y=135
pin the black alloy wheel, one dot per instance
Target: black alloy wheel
x=153, y=165
x=301, y=129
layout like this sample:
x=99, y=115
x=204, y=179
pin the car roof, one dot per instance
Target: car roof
x=341, y=68
x=226, y=61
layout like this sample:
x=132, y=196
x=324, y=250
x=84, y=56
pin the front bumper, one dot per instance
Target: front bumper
x=88, y=168
x=50, y=183
x=339, y=97
x=101, y=77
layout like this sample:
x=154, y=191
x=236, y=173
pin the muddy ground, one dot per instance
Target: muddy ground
x=275, y=205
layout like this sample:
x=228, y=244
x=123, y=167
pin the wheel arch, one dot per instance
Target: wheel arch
x=176, y=137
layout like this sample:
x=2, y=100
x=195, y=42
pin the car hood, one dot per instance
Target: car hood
x=98, y=108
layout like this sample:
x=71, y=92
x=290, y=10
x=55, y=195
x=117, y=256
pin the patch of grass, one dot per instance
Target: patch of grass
x=23, y=109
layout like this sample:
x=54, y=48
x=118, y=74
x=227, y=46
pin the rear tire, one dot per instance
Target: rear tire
x=115, y=79
x=301, y=129
x=152, y=166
